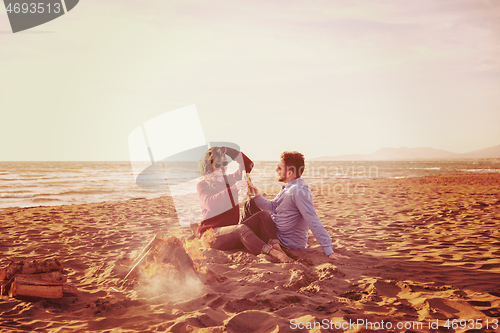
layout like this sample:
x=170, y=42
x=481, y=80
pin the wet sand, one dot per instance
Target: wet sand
x=421, y=250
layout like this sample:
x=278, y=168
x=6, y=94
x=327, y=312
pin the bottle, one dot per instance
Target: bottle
x=250, y=190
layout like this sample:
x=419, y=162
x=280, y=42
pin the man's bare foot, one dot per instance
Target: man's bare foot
x=336, y=256
x=280, y=255
x=277, y=246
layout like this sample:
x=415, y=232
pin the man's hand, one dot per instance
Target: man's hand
x=336, y=256
x=254, y=190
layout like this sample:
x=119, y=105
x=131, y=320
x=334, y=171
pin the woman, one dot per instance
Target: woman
x=218, y=194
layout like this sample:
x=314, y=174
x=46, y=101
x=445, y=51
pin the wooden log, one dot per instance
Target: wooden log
x=45, y=266
x=32, y=267
x=159, y=236
x=27, y=279
x=30, y=290
x=69, y=290
x=50, y=277
x=157, y=239
x=133, y=273
x=4, y=287
x=2, y=274
x=12, y=269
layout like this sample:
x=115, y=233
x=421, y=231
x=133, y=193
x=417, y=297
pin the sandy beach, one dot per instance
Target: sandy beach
x=422, y=252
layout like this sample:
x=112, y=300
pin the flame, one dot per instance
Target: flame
x=155, y=263
x=193, y=249
x=160, y=260
x=208, y=238
x=176, y=232
x=166, y=269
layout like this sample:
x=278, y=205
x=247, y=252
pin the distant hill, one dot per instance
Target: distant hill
x=404, y=153
x=492, y=152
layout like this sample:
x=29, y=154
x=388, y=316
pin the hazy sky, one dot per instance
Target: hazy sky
x=322, y=77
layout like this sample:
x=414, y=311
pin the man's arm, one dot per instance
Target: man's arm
x=264, y=204
x=260, y=201
x=303, y=200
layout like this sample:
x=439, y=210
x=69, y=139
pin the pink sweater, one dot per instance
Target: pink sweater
x=216, y=206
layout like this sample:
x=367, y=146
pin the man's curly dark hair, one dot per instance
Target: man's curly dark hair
x=294, y=161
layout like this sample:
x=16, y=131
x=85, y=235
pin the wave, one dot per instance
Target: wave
x=480, y=170
x=22, y=195
x=60, y=183
x=31, y=178
x=434, y=168
x=29, y=195
x=44, y=199
x=85, y=192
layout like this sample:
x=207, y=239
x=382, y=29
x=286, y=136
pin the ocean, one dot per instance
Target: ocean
x=30, y=184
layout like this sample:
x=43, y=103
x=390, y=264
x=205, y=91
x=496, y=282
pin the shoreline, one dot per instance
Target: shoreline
x=312, y=185
x=421, y=249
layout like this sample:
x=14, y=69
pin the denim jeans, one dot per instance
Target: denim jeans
x=256, y=232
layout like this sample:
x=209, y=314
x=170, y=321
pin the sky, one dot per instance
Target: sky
x=320, y=77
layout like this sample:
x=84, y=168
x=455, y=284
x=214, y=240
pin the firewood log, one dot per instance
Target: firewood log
x=4, y=287
x=32, y=279
x=157, y=239
x=35, y=266
x=70, y=290
x=51, y=276
x=45, y=266
x=33, y=290
x=12, y=269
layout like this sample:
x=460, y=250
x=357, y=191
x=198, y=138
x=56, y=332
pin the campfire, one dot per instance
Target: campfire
x=167, y=257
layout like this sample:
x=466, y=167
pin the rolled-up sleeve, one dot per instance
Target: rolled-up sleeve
x=303, y=200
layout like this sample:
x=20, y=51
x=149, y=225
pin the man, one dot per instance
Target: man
x=293, y=209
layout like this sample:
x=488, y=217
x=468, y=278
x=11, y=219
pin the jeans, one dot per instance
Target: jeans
x=256, y=232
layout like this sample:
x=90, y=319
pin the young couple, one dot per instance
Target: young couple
x=265, y=225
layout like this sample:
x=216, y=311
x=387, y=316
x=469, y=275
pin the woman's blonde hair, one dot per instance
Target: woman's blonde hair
x=205, y=166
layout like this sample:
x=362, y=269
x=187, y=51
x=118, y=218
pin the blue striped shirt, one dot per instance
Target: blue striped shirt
x=294, y=214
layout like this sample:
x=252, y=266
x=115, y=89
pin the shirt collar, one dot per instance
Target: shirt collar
x=291, y=183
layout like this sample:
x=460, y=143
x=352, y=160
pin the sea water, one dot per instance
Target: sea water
x=29, y=184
